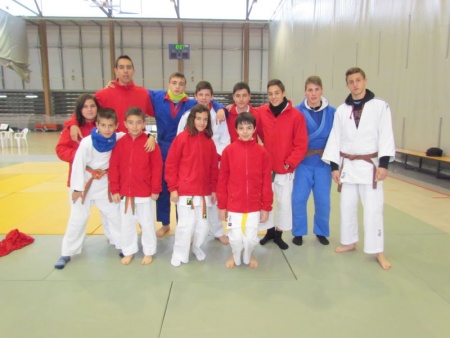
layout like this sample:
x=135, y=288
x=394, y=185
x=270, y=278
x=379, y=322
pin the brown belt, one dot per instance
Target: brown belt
x=367, y=158
x=312, y=152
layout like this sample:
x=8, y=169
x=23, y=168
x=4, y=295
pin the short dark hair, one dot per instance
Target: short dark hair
x=107, y=113
x=123, y=57
x=354, y=70
x=190, y=126
x=245, y=118
x=79, y=107
x=203, y=85
x=177, y=74
x=135, y=111
x=276, y=82
x=314, y=79
x=241, y=85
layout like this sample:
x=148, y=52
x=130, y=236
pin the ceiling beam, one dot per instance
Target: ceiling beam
x=27, y=8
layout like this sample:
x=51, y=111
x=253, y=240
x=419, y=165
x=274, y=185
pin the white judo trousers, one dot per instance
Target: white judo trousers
x=76, y=226
x=88, y=156
x=105, y=225
x=221, y=138
x=372, y=201
x=374, y=134
x=281, y=214
x=191, y=224
x=144, y=213
x=243, y=234
x=214, y=221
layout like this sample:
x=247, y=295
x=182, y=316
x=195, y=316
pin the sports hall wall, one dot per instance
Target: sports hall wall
x=79, y=54
x=402, y=45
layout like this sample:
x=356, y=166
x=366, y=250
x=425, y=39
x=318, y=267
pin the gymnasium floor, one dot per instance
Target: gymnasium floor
x=306, y=291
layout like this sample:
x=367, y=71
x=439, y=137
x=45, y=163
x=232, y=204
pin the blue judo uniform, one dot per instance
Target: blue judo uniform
x=168, y=115
x=313, y=174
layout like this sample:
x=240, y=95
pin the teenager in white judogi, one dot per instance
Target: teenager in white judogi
x=360, y=146
x=221, y=137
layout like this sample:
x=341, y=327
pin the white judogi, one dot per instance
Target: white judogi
x=243, y=234
x=374, y=134
x=221, y=138
x=281, y=214
x=144, y=214
x=191, y=224
x=86, y=155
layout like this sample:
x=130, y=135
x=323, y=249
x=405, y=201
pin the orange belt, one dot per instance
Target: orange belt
x=129, y=200
x=204, y=214
x=367, y=158
x=96, y=175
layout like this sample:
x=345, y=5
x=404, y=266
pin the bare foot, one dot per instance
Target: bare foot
x=223, y=239
x=147, y=260
x=253, y=262
x=345, y=248
x=162, y=231
x=230, y=264
x=127, y=259
x=381, y=258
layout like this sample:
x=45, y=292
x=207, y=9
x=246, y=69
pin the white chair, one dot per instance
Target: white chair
x=21, y=136
x=3, y=138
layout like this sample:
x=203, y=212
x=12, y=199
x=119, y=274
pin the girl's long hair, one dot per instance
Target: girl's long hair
x=190, y=125
x=79, y=107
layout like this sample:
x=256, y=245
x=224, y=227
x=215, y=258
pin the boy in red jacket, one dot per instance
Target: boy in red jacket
x=135, y=179
x=244, y=190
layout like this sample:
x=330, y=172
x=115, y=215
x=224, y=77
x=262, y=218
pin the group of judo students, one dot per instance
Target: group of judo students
x=219, y=163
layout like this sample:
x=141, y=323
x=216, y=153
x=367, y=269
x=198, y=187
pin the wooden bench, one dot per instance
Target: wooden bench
x=421, y=156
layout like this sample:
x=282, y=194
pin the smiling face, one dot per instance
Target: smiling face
x=106, y=127
x=124, y=71
x=89, y=110
x=276, y=95
x=135, y=125
x=201, y=121
x=245, y=131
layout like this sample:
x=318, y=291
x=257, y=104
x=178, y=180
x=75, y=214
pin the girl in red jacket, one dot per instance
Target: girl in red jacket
x=85, y=114
x=191, y=175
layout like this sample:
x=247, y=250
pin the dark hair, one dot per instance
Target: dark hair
x=79, y=107
x=134, y=111
x=241, y=85
x=245, y=118
x=123, y=57
x=354, y=70
x=203, y=85
x=314, y=80
x=107, y=113
x=177, y=74
x=190, y=126
x=276, y=82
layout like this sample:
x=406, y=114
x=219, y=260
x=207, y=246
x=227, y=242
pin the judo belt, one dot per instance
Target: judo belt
x=312, y=152
x=96, y=175
x=204, y=215
x=130, y=200
x=367, y=158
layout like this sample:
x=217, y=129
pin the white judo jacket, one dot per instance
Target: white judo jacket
x=374, y=134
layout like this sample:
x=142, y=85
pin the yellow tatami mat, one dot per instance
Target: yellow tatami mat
x=34, y=199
